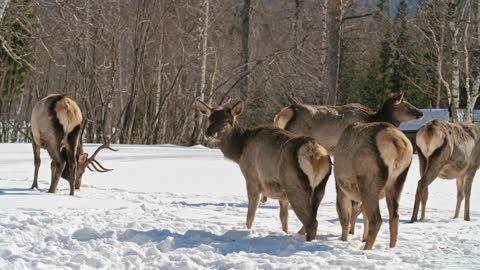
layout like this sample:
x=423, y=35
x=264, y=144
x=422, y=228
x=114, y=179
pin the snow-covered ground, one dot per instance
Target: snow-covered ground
x=170, y=207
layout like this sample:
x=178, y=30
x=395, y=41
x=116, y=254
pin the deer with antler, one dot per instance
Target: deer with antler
x=57, y=126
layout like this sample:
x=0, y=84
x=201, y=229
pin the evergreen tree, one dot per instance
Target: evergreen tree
x=401, y=66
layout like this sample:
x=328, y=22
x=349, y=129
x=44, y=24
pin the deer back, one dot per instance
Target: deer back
x=327, y=123
x=324, y=123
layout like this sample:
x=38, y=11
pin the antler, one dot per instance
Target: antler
x=94, y=163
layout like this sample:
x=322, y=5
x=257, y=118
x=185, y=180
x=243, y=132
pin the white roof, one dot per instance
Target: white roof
x=430, y=114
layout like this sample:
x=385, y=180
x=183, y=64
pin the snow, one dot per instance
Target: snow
x=171, y=207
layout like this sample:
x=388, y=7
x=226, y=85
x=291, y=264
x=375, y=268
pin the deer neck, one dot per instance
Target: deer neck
x=383, y=115
x=232, y=145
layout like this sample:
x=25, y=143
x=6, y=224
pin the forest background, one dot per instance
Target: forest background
x=138, y=65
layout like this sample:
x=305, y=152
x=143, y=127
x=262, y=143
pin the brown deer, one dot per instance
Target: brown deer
x=57, y=126
x=371, y=162
x=274, y=163
x=449, y=151
x=326, y=123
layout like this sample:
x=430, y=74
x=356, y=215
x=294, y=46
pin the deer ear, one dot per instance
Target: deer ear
x=399, y=98
x=237, y=107
x=203, y=107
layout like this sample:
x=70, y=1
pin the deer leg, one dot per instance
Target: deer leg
x=78, y=183
x=299, y=198
x=317, y=197
x=429, y=170
x=365, y=224
x=253, y=201
x=422, y=194
x=57, y=169
x=467, y=192
x=302, y=210
x=356, y=210
x=424, y=204
x=37, y=162
x=344, y=210
x=392, y=198
x=372, y=211
x=460, y=190
x=72, y=187
x=284, y=214
x=392, y=195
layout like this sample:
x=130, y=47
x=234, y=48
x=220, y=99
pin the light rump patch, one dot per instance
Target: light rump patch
x=429, y=139
x=314, y=161
x=68, y=114
x=395, y=150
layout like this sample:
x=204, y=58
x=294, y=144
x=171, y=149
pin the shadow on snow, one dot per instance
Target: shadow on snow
x=229, y=242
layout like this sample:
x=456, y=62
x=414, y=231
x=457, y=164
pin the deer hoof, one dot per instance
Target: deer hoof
x=367, y=247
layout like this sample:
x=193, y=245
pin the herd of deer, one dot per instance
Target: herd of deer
x=290, y=161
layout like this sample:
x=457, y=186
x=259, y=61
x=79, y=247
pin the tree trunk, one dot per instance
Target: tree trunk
x=331, y=68
x=455, y=85
x=467, y=115
x=297, y=24
x=89, y=67
x=244, y=85
x=203, y=68
x=158, y=93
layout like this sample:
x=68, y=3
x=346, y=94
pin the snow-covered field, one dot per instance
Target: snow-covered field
x=169, y=207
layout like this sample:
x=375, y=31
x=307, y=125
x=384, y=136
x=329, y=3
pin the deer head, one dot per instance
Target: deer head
x=399, y=109
x=83, y=161
x=221, y=119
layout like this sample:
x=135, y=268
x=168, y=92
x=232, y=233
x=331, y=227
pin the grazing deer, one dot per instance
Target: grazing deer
x=274, y=163
x=371, y=162
x=449, y=151
x=57, y=126
x=326, y=123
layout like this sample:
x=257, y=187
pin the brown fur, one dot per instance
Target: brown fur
x=274, y=162
x=449, y=151
x=56, y=124
x=371, y=162
x=326, y=123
